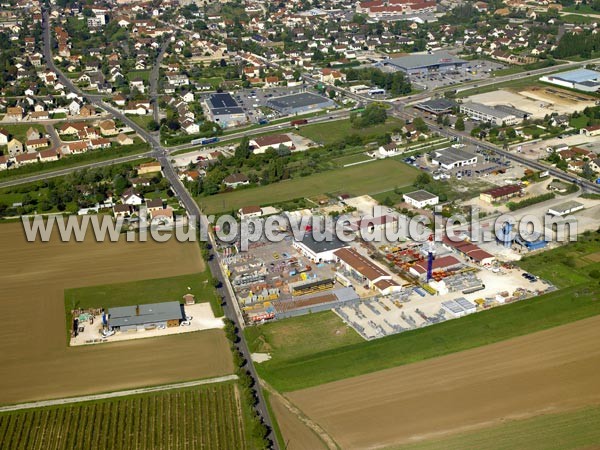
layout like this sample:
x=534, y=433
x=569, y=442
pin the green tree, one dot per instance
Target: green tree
x=459, y=125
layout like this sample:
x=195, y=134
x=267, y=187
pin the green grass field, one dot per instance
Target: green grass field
x=142, y=121
x=568, y=265
x=289, y=339
x=145, y=291
x=289, y=372
x=564, y=431
x=201, y=417
x=329, y=132
x=141, y=74
x=18, y=131
x=351, y=159
x=356, y=180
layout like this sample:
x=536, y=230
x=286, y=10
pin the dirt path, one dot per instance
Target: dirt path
x=89, y=398
x=549, y=371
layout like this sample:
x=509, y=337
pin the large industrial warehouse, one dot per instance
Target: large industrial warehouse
x=415, y=64
x=142, y=317
x=224, y=110
x=300, y=103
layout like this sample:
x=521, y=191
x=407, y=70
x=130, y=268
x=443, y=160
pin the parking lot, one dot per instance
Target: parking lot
x=476, y=70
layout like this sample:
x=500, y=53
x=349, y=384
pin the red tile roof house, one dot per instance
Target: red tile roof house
x=262, y=143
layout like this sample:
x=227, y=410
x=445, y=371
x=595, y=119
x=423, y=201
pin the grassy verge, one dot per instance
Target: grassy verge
x=356, y=180
x=145, y=291
x=570, y=430
x=91, y=156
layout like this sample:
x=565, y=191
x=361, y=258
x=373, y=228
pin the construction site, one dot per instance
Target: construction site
x=377, y=290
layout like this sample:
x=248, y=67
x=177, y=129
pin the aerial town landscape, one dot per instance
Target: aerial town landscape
x=306, y=224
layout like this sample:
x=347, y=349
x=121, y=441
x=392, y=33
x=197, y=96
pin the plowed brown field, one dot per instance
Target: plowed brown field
x=35, y=362
x=548, y=371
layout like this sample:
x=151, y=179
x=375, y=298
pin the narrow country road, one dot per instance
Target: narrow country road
x=89, y=398
x=231, y=307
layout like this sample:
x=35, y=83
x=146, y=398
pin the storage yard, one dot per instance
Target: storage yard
x=378, y=291
x=37, y=362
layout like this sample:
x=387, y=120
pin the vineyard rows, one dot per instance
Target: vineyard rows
x=198, y=418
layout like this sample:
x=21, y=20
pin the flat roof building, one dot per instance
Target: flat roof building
x=224, y=110
x=565, y=208
x=451, y=158
x=300, y=103
x=498, y=115
x=414, y=64
x=421, y=198
x=437, y=106
x=148, y=316
x=322, y=250
x=581, y=79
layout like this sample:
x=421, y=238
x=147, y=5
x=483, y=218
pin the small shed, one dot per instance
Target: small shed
x=189, y=299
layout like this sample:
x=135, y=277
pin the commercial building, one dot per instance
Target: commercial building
x=469, y=250
x=451, y=158
x=361, y=267
x=144, y=317
x=429, y=62
x=501, y=193
x=437, y=106
x=419, y=269
x=224, y=110
x=565, y=208
x=319, y=251
x=497, y=115
x=301, y=103
x=262, y=143
x=421, y=198
x=581, y=79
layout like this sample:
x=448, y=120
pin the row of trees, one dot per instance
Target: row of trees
x=396, y=83
x=373, y=114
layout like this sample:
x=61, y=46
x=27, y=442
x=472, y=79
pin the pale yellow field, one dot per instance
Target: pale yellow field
x=35, y=362
x=546, y=372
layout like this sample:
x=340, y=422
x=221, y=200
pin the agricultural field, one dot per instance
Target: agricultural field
x=37, y=364
x=291, y=369
x=563, y=431
x=201, y=417
x=553, y=370
x=328, y=132
x=356, y=180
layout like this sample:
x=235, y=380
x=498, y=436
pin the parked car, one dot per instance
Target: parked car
x=185, y=323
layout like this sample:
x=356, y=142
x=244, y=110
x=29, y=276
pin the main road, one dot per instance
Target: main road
x=185, y=198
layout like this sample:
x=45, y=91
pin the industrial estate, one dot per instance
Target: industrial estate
x=300, y=225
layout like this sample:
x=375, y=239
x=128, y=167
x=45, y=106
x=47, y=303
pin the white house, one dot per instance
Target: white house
x=74, y=108
x=132, y=198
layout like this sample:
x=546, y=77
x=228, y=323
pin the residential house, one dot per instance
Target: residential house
x=74, y=108
x=99, y=143
x=26, y=158
x=76, y=148
x=34, y=144
x=122, y=211
x=162, y=216
x=48, y=155
x=87, y=111
x=4, y=161
x=235, y=180
x=131, y=197
x=123, y=139
x=4, y=136
x=155, y=204
x=15, y=147
x=108, y=128
x=14, y=113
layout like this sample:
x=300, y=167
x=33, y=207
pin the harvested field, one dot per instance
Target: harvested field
x=36, y=362
x=550, y=371
x=166, y=420
x=297, y=435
